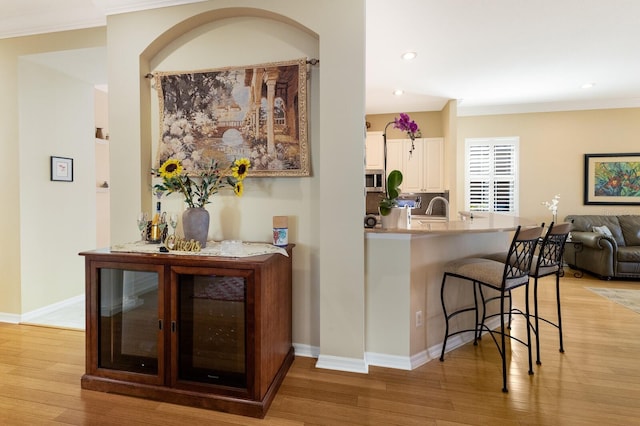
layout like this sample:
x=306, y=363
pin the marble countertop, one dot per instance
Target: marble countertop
x=483, y=222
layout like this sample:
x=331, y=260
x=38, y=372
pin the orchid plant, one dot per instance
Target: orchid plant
x=392, y=193
x=406, y=124
x=553, y=206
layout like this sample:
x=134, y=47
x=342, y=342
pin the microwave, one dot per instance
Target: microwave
x=374, y=180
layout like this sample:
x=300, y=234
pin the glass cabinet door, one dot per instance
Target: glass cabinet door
x=129, y=326
x=211, y=329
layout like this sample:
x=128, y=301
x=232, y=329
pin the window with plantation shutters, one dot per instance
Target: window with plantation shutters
x=491, y=175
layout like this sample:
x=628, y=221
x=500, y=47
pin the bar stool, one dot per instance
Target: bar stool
x=549, y=262
x=502, y=277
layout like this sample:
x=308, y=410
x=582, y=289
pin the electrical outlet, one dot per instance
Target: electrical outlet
x=419, y=319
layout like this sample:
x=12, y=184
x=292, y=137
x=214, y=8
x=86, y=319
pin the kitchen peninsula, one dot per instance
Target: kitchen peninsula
x=403, y=270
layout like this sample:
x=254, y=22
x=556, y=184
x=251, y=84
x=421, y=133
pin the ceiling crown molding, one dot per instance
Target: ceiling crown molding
x=22, y=22
x=591, y=104
x=113, y=7
x=19, y=19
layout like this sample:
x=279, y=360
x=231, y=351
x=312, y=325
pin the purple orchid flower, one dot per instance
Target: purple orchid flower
x=406, y=124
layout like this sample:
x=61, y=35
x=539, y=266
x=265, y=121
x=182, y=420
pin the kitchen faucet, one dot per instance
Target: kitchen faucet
x=429, y=210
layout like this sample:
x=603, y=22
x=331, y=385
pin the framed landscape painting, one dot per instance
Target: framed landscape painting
x=612, y=179
x=257, y=111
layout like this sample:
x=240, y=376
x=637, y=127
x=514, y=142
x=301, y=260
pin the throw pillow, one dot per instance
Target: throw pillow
x=602, y=230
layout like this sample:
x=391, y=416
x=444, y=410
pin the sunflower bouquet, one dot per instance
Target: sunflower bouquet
x=198, y=189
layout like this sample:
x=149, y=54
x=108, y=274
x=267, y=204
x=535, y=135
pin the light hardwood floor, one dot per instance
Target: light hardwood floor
x=595, y=382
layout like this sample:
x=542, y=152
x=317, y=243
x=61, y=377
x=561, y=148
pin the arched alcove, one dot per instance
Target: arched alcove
x=216, y=39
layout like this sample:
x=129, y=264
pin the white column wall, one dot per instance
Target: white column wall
x=57, y=218
x=327, y=207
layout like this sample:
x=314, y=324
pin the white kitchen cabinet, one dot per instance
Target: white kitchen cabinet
x=374, y=151
x=423, y=169
x=433, y=172
x=395, y=150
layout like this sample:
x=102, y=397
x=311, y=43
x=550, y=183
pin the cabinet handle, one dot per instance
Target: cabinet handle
x=160, y=324
x=173, y=326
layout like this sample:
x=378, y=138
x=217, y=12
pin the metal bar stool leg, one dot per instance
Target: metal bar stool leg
x=503, y=344
x=528, y=318
x=510, y=309
x=446, y=317
x=477, y=335
x=535, y=307
x=559, y=312
x=480, y=326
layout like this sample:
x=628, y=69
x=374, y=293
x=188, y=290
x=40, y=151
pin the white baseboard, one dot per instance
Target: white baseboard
x=421, y=358
x=389, y=361
x=28, y=316
x=462, y=338
x=372, y=358
x=306, y=350
x=400, y=362
x=10, y=318
x=330, y=362
x=353, y=365
x=414, y=361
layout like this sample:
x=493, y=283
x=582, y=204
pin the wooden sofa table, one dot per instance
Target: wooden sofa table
x=206, y=331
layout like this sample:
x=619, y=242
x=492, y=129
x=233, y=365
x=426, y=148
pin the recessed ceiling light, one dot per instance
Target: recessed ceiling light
x=409, y=56
x=398, y=92
x=588, y=85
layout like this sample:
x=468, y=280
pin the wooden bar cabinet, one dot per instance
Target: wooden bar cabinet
x=209, y=332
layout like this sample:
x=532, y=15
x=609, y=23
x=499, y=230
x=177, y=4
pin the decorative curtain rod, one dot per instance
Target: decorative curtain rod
x=312, y=61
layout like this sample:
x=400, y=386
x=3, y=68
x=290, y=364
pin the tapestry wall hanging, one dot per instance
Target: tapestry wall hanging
x=258, y=112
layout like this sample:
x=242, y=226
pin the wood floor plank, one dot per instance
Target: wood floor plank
x=595, y=382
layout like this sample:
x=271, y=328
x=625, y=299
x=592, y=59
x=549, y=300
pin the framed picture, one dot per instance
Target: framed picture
x=612, y=179
x=256, y=111
x=62, y=169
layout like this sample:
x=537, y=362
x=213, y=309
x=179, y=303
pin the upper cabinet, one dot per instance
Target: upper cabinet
x=433, y=172
x=395, y=155
x=423, y=169
x=374, y=151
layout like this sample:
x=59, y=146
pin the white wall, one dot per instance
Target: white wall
x=327, y=208
x=552, y=148
x=17, y=173
x=57, y=218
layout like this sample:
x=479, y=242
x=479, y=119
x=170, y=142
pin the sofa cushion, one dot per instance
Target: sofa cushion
x=603, y=230
x=629, y=254
x=630, y=225
x=585, y=223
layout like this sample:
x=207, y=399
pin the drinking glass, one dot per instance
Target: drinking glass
x=143, y=218
x=161, y=227
x=173, y=221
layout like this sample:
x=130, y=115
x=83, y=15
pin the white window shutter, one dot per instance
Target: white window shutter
x=491, y=175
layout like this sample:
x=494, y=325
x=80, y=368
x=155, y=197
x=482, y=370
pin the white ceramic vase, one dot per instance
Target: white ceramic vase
x=390, y=221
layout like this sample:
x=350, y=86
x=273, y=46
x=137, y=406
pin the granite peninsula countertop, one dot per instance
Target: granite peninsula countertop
x=481, y=222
